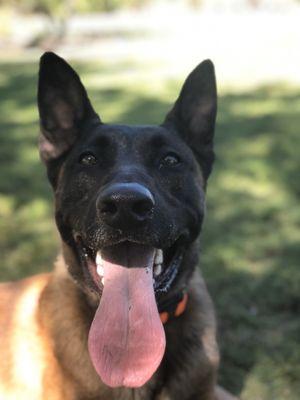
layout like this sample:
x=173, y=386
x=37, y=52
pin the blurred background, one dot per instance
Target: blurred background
x=133, y=56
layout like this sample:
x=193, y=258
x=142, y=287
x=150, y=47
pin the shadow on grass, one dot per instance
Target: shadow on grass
x=251, y=238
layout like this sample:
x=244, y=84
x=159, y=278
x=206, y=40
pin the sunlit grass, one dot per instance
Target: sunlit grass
x=251, y=241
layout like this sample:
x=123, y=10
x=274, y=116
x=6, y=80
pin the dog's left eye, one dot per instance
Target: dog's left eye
x=170, y=160
x=88, y=158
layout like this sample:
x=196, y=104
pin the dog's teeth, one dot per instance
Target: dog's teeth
x=100, y=270
x=158, y=259
x=98, y=258
x=157, y=269
x=85, y=254
x=102, y=281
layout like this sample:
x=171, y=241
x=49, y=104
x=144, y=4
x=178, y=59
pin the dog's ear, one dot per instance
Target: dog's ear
x=63, y=107
x=194, y=113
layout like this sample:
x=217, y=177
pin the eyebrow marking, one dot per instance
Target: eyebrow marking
x=158, y=141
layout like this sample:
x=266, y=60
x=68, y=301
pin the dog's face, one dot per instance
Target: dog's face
x=117, y=183
x=126, y=195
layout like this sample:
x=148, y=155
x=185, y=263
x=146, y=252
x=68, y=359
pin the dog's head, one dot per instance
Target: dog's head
x=129, y=196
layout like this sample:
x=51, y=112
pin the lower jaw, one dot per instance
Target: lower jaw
x=161, y=283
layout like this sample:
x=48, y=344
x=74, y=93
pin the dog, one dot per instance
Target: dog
x=125, y=314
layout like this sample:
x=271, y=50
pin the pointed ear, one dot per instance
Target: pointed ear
x=194, y=113
x=63, y=105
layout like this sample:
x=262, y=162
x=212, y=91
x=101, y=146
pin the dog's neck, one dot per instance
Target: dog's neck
x=66, y=316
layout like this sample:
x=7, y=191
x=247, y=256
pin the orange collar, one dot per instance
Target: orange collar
x=174, y=308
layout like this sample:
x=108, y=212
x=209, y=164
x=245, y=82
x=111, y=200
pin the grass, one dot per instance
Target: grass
x=251, y=239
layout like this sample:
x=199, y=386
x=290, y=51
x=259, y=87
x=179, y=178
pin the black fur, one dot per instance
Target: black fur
x=86, y=158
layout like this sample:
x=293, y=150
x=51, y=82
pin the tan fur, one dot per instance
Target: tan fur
x=44, y=322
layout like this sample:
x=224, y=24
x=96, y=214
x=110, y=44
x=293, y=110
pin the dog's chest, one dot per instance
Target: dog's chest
x=140, y=394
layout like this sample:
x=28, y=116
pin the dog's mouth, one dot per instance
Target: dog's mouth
x=126, y=339
x=166, y=262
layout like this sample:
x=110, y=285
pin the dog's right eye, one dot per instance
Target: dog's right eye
x=88, y=158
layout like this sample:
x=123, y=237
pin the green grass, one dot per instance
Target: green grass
x=251, y=240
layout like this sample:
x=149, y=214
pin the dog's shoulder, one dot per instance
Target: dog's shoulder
x=19, y=300
x=29, y=367
x=21, y=339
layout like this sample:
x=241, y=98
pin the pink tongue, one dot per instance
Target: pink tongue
x=127, y=340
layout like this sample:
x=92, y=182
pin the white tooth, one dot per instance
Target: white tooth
x=102, y=281
x=157, y=269
x=158, y=259
x=100, y=270
x=98, y=258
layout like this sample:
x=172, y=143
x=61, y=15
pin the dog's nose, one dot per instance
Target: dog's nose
x=122, y=204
